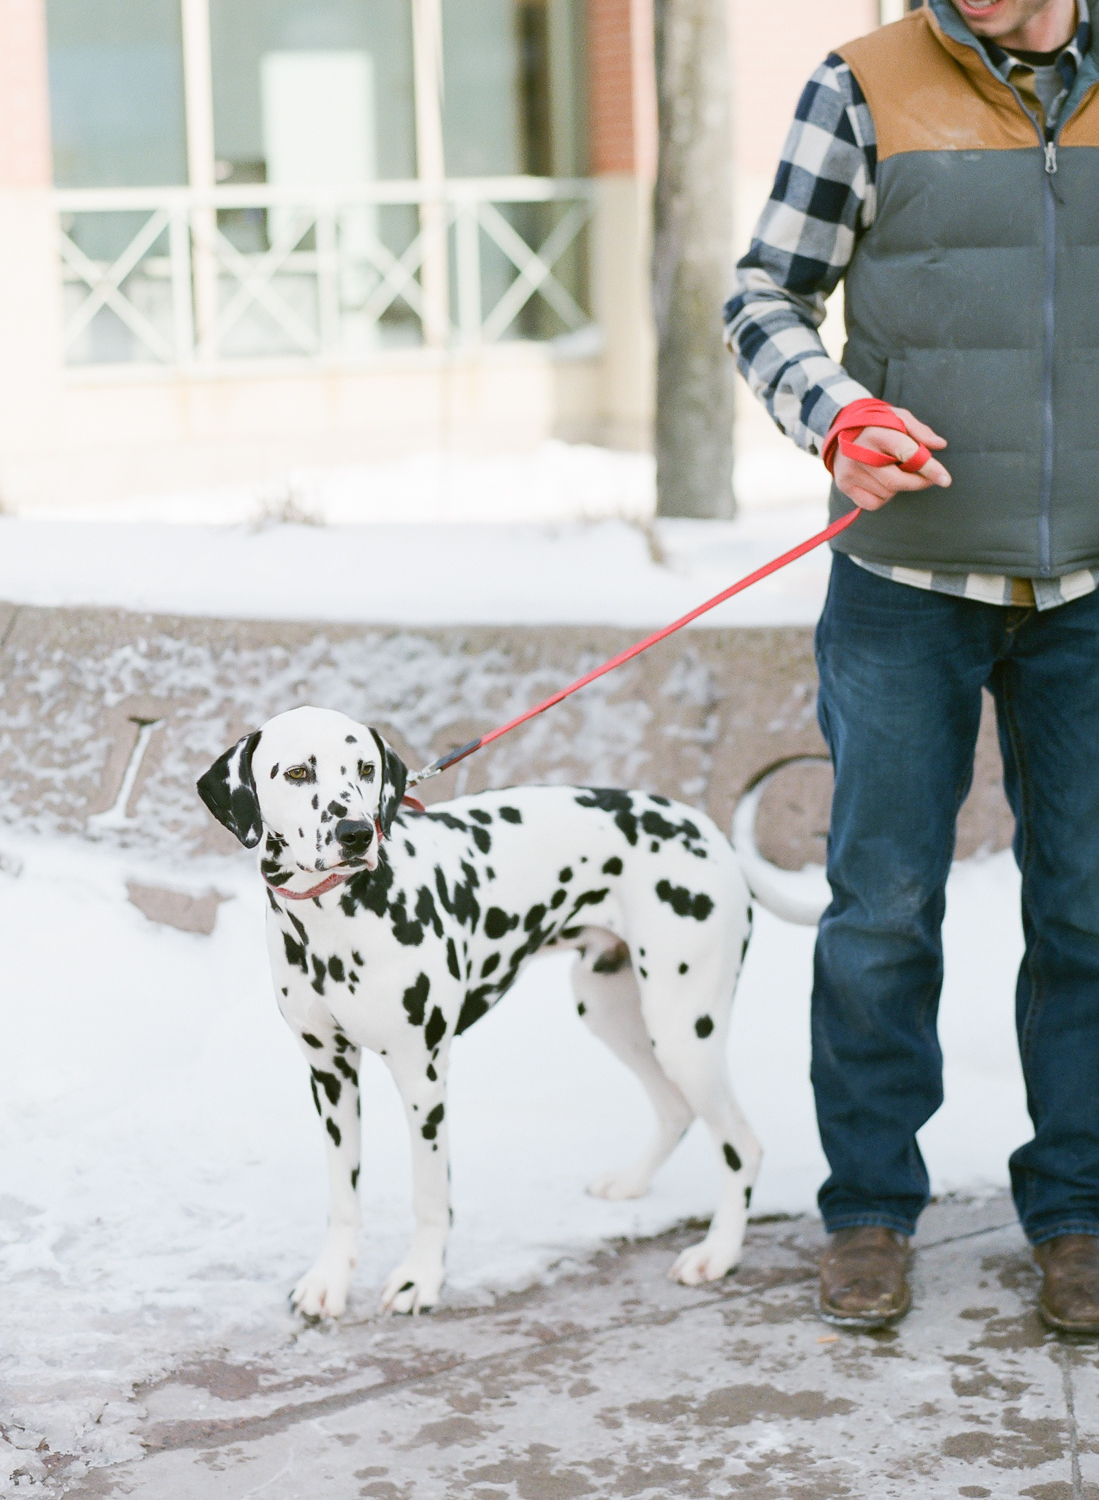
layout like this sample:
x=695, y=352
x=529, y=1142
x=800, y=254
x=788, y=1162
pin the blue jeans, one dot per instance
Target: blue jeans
x=901, y=673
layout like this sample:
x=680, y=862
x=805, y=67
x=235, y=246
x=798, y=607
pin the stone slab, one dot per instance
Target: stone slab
x=614, y=1382
x=107, y=717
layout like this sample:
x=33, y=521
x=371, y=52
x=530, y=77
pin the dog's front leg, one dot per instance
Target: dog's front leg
x=415, y=1285
x=334, y=1077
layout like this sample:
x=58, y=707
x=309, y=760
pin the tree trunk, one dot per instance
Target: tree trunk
x=692, y=260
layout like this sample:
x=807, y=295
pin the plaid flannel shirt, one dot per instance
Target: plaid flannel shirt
x=822, y=200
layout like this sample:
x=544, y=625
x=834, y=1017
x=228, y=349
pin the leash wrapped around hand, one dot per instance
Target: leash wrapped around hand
x=454, y=756
x=870, y=412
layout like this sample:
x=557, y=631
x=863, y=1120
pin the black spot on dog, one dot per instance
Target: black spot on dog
x=335, y=968
x=333, y=1130
x=431, y=1073
x=431, y=1125
x=460, y=902
x=344, y=1067
x=660, y=801
x=482, y=839
x=316, y=1096
x=354, y=1178
x=435, y=1029
x=511, y=815
x=406, y=930
x=350, y=740
x=683, y=903
x=654, y=847
x=448, y=820
x=703, y=1026
x=474, y=1006
x=743, y=949
x=497, y=923
x=747, y=1197
x=319, y=971
x=613, y=866
x=409, y=850
x=480, y=815
x=309, y=1039
x=452, y=958
x=357, y=956
x=329, y=1083
x=295, y=953
x=534, y=917
x=590, y=898
x=612, y=960
x=491, y=962
x=337, y=809
x=683, y=968
x=415, y=1000
x=274, y=770
x=425, y=911
x=558, y=898
x=657, y=827
x=581, y=1008
x=619, y=803
x=643, y=972
x=342, y=1044
x=732, y=1160
x=564, y=876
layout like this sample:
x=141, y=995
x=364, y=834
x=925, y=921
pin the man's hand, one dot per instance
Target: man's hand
x=872, y=488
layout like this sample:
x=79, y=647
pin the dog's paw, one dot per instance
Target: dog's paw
x=412, y=1288
x=708, y=1261
x=618, y=1185
x=322, y=1291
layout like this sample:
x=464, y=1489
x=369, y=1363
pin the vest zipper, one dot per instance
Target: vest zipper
x=1047, y=140
x=1049, y=306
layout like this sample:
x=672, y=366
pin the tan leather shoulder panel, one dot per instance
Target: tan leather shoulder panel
x=929, y=93
x=1083, y=128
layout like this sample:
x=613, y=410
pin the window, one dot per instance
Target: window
x=116, y=93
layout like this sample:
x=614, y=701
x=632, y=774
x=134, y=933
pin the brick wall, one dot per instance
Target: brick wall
x=24, y=101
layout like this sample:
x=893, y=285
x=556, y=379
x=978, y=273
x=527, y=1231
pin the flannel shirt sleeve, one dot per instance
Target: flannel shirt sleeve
x=823, y=198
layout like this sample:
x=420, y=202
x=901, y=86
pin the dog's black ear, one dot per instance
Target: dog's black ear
x=229, y=791
x=394, y=779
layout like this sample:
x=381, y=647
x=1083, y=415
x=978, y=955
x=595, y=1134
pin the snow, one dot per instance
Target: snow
x=561, y=536
x=163, y=1180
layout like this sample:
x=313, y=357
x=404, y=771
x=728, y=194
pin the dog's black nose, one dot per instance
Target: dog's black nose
x=354, y=835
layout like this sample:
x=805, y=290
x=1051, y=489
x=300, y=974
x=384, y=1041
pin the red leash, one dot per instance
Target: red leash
x=446, y=761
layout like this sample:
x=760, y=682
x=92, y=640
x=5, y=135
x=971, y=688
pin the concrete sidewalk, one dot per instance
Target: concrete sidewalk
x=614, y=1382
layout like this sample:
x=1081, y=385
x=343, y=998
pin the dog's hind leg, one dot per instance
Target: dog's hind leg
x=420, y=1076
x=608, y=1000
x=334, y=1076
x=690, y=1045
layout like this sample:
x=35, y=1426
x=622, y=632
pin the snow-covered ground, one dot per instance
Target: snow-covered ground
x=560, y=536
x=162, y=1178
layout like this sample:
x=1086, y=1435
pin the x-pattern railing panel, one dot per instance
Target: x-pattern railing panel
x=204, y=258
x=106, y=286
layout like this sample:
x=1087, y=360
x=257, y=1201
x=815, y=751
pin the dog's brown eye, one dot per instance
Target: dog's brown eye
x=366, y=771
x=298, y=773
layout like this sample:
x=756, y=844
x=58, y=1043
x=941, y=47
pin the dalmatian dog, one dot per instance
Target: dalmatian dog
x=396, y=929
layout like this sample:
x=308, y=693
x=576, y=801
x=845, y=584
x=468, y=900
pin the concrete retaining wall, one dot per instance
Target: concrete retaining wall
x=107, y=718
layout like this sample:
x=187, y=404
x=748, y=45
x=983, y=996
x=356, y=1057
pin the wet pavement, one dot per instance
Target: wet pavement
x=613, y=1382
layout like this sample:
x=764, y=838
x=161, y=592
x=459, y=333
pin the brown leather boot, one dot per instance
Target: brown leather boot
x=1069, y=1299
x=862, y=1280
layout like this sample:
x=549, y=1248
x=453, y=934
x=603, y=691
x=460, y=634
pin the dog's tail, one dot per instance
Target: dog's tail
x=799, y=896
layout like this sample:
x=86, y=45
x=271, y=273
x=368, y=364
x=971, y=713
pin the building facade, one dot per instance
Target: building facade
x=239, y=236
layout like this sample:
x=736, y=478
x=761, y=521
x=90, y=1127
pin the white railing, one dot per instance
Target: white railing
x=181, y=277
